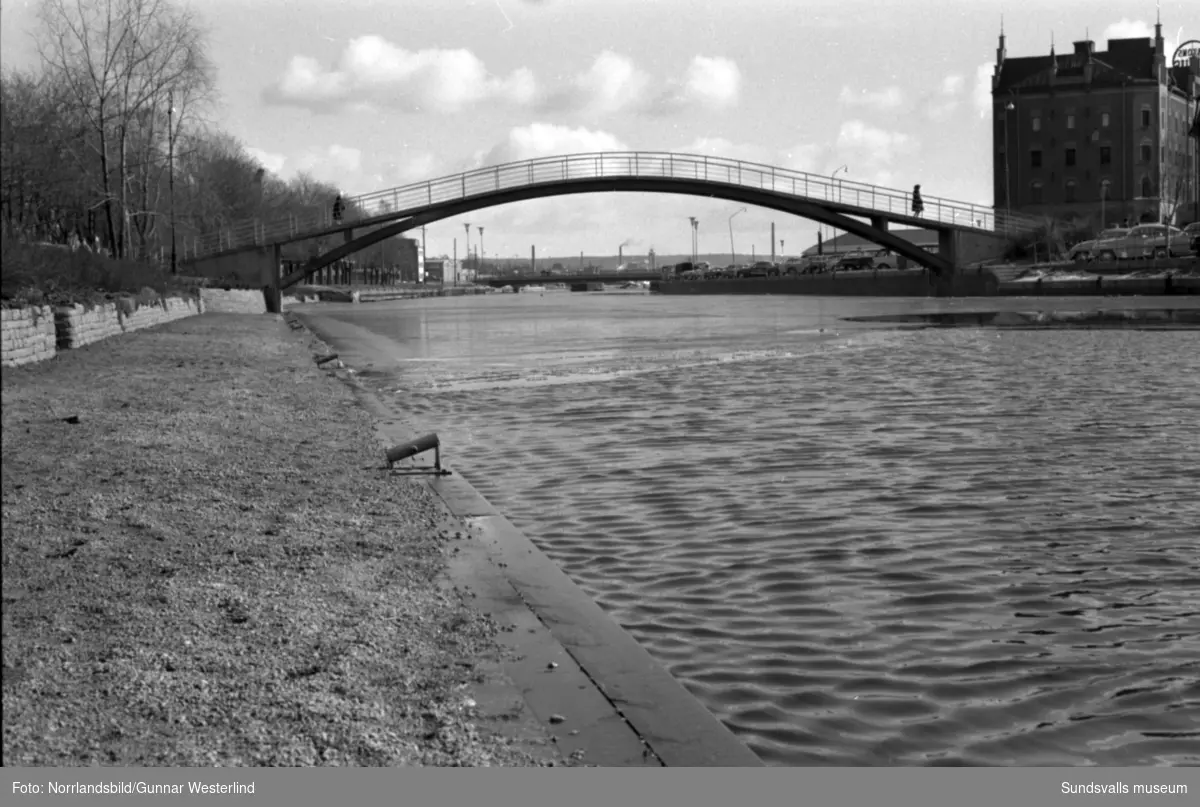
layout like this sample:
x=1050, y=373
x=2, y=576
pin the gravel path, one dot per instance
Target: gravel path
x=211, y=567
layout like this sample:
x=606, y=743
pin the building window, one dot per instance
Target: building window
x=1145, y=117
x=1146, y=153
x=1035, y=193
x=1035, y=158
x=1147, y=187
x=1070, y=121
x=1070, y=191
x=1037, y=123
x=1103, y=118
x=1106, y=155
x=1070, y=157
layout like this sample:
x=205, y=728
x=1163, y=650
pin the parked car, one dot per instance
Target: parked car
x=1143, y=241
x=1085, y=250
x=816, y=264
x=851, y=263
x=1192, y=235
x=885, y=259
x=760, y=269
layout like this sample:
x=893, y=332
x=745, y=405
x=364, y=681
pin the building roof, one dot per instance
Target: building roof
x=1125, y=61
x=847, y=241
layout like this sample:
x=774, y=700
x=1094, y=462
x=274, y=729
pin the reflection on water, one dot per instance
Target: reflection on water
x=857, y=543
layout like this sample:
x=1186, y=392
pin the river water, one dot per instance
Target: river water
x=857, y=543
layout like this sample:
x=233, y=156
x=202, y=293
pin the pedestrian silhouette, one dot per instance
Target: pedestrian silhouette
x=918, y=206
x=338, y=208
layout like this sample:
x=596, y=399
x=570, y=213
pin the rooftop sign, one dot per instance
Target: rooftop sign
x=1185, y=52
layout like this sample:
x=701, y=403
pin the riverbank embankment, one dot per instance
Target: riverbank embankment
x=205, y=562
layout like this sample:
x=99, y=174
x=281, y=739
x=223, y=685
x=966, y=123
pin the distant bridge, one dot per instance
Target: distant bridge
x=961, y=226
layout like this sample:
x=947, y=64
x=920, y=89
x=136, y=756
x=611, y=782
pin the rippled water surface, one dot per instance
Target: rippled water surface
x=858, y=543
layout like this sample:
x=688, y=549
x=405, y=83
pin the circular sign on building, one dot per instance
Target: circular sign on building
x=1185, y=52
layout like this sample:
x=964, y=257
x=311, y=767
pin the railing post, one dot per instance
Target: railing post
x=497, y=177
x=464, y=186
x=705, y=167
x=429, y=192
x=564, y=167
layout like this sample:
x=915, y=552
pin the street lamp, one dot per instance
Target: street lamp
x=171, y=174
x=732, y=250
x=833, y=176
x=482, y=254
x=695, y=235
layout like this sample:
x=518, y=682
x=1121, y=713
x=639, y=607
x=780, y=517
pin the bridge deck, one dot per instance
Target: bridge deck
x=853, y=198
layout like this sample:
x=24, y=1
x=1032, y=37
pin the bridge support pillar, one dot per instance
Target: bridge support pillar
x=273, y=274
x=879, y=223
x=948, y=246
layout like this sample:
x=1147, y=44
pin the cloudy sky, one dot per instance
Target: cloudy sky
x=372, y=94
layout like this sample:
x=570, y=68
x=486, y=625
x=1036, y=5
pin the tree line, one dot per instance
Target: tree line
x=108, y=141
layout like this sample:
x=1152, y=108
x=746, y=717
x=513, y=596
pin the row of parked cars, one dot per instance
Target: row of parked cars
x=1158, y=241
x=809, y=265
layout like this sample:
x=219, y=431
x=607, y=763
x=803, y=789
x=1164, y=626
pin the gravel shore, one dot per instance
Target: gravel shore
x=206, y=563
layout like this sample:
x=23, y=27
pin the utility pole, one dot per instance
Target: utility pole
x=467, y=253
x=454, y=262
x=773, y=243
x=482, y=254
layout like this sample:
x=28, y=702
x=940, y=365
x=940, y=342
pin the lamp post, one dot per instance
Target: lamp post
x=695, y=225
x=467, y=254
x=482, y=254
x=171, y=174
x=833, y=176
x=732, y=250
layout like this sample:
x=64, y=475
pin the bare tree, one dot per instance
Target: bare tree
x=119, y=61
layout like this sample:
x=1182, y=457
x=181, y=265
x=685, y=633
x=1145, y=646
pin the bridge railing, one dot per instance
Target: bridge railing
x=864, y=199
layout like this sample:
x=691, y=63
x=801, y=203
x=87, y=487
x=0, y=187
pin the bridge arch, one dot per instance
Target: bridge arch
x=829, y=213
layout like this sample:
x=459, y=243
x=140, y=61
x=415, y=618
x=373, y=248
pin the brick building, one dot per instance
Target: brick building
x=1098, y=137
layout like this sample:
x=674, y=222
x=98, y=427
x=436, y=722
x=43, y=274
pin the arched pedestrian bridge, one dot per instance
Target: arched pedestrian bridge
x=965, y=230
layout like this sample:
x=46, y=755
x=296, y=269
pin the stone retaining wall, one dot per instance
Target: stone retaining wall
x=78, y=326
x=26, y=335
x=36, y=334
x=234, y=301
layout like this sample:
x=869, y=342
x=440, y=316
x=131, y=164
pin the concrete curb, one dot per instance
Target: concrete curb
x=597, y=691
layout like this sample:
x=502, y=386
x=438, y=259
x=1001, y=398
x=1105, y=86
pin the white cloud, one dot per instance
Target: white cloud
x=548, y=139
x=268, y=160
x=712, y=82
x=870, y=152
x=373, y=71
x=981, y=95
x=938, y=106
x=887, y=98
x=614, y=83
x=336, y=164
x=611, y=84
x=952, y=85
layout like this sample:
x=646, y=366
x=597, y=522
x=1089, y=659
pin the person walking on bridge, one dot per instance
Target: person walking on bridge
x=339, y=207
x=918, y=206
